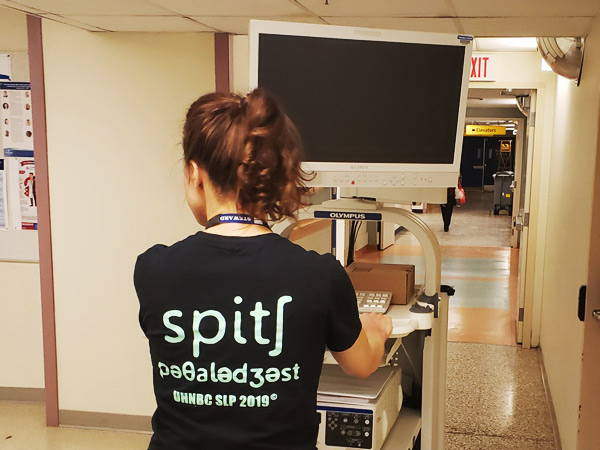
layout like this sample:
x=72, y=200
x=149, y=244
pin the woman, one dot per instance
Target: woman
x=448, y=207
x=237, y=317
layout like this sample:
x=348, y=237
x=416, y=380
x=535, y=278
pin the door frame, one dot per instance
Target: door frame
x=536, y=188
x=518, y=168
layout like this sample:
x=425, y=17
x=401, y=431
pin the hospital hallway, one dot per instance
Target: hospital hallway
x=496, y=396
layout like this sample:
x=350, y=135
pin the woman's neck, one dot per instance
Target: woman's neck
x=235, y=228
x=216, y=205
x=238, y=229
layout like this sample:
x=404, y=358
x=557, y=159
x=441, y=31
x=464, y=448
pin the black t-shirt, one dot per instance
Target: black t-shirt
x=237, y=328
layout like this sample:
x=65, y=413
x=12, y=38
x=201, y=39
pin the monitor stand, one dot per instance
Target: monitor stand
x=433, y=405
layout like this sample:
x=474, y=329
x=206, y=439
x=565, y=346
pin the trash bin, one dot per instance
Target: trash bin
x=503, y=191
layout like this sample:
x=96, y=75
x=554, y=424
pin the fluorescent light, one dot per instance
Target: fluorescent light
x=506, y=44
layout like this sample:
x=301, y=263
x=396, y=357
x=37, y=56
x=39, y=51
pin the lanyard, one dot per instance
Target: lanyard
x=235, y=218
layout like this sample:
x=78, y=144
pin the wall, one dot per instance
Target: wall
x=567, y=248
x=20, y=301
x=241, y=62
x=21, y=324
x=115, y=108
x=13, y=31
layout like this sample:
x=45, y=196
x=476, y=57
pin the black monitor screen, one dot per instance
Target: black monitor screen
x=366, y=101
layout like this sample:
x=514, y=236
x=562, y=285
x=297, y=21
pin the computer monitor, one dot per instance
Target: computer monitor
x=374, y=108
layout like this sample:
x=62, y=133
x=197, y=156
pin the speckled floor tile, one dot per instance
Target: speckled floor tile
x=459, y=441
x=496, y=391
x=499, y=413
x=507, y=366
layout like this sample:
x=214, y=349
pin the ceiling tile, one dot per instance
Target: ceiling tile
x=527, y=8
x=245, y=8
x=526, y=27
x=142, y=23
x=398, y=23
x=96, y=7
x=20, y=7
x=239, y=25
x=379, y=8
x=74, y=23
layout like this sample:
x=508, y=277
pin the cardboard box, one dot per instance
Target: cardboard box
x=396, y=278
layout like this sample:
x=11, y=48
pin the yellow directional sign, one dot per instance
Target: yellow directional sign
x=484, y=130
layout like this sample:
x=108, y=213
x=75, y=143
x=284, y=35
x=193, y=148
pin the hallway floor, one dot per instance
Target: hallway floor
x=22, y=427
x=496, y=399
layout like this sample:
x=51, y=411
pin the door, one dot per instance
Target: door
x=471, y=164
x=490, y=164
x=523, y=219
x=520, y=170
x=589, y=413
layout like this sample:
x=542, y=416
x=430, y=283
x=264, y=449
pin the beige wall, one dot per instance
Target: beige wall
x=21, y=319
x=13, y=31
x=115, y=107
x=13, y=40
x=241, y=69
x=568, y=229
x=21, y=324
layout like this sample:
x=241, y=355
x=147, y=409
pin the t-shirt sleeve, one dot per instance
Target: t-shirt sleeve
x=344, y=324
x=145, y=280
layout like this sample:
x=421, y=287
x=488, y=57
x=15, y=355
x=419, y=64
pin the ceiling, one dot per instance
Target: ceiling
x=481, y=18
x=495, y=98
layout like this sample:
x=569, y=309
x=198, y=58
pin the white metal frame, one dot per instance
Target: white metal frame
x=433, y=406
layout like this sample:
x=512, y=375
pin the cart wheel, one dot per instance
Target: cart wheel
x=496, y=210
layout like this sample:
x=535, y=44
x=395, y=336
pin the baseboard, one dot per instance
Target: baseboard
x=557, y=443
x=105, y=421
x=18, y=394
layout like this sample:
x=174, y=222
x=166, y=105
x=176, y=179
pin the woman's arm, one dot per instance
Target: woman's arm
x=364, y=357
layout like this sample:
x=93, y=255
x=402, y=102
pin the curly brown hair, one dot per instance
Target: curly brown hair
x=250, y=147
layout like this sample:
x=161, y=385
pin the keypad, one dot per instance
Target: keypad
x=373, y=301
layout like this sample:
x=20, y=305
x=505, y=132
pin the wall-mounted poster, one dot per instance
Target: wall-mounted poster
x=5, y=72
x=16, y=130
x=27, y=193
x=22, y=194
x=16, y=116
x=3, y=205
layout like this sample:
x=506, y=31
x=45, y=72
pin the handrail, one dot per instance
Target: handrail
x=391, y=214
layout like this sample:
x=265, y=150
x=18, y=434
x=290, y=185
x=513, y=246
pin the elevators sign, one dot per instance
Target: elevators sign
x=484, y=130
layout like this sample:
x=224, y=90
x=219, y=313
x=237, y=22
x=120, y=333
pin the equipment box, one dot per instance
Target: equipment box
x=503, y=191
x=395, y=278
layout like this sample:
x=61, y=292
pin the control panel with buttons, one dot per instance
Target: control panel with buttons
x=383, y=179
x=349, y=430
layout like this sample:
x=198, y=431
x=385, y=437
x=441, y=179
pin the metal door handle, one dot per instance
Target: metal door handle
x=596, y=314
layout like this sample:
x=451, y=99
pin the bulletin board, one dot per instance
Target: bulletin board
x=5, y=72
x=18, y=195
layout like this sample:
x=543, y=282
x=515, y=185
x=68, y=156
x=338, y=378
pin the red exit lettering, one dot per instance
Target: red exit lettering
x=479, y=66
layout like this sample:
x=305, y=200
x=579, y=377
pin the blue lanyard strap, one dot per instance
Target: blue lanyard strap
x=236, y=218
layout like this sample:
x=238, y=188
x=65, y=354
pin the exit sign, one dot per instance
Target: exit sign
x=482, y=66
